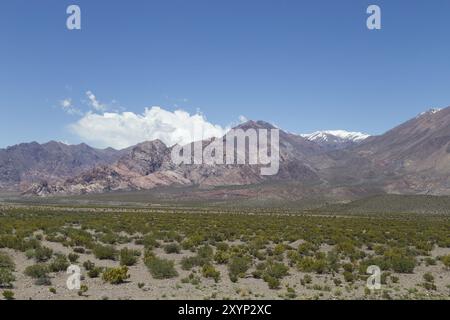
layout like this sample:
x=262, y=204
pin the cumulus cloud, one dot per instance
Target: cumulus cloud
x=94, y=103
x=121, y=130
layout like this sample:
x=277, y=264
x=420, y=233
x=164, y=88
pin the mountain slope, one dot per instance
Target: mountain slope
x=52, y=161
x=413, y=158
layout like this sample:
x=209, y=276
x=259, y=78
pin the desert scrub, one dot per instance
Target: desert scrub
x=172, y=248
x=6, y=278
x=36, y=271
x=40, y=254
x=8, y=295
x=309, y=264
x=204, y=256
x=73, y=257
x=208, y=271
x=446, y=261
x=7, y=266
x=59, y=263
x=237, y=267
x=39, y=272
x=129, y=257
x=105, y=252
x=160, y=268
x=271, y=272
x=6, y=261
x=115, y=275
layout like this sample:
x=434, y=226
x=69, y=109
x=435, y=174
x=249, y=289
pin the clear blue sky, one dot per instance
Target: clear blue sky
x=303, y=65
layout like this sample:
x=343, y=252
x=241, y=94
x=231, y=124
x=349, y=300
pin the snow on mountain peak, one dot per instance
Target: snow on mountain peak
x=431, y=111
x=336, y=136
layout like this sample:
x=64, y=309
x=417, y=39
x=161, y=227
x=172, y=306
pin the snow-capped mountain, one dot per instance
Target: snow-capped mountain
x=336, y=139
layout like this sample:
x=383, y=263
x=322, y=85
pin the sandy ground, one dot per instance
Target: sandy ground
x=322, y=286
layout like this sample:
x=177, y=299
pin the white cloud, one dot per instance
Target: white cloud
x=68, y=107
x=94, y=103
x=242, y=119
x=121, y=130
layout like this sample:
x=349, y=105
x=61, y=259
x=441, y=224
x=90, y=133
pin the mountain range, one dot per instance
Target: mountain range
x=412, y=158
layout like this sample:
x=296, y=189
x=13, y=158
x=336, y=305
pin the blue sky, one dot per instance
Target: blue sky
x=303, y=65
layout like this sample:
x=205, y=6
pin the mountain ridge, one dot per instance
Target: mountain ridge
x=412, y=158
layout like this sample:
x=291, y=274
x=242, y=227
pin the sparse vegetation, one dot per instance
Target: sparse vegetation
x=331, y=253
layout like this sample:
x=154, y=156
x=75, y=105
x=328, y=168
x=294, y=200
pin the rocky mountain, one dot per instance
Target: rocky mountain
x=49, y=163
x=336, y=139
x=413, y=158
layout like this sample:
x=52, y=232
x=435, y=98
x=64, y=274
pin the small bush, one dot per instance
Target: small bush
x=428, y=277
x=94, y=272
x=73, y=257
x=6, y=278
x=42, y=254
x=116, y=275
x=221, y=257
x=160, y=268
x=273, y=282
x=37, y=271
x=446, y=261
x=172, y=248
x=209, y=271
x=237, y=267
x=128, y=257
x=8, y=295
x=59, y=263
x=6, y=261
x=88, y=265
x=83, y=289
x=80, y=250
x=348, y=276
x=105, y=252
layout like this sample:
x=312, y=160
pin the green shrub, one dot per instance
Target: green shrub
x=403, y=264
x=73, y=257
x=42, y=254
x=204, y=256
x=446, y=261
x=6, y=278
x=128, y=257
x=150, y=242
x=6, y=261
x=59, y=263
x=308, y=264
x=428, y=277
x=115, y=275
x=237, y=267
x=37, y=271
x=209, y=271
x=83, y=289
x=8, y=295
x=348, y=276
x=221, y=257
x=105, y=252
x=276, y=270
x=172, y=248
x=160, y=268
x=88, y=265
x=80, y=250
x=94, y=272
x=273, y=282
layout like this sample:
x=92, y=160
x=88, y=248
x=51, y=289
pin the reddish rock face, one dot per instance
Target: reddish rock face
x=411, y=158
